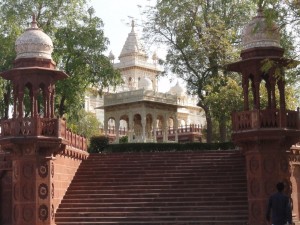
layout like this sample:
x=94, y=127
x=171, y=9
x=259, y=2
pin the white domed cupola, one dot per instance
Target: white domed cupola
x=177, y=90
x=258, y=33
x=145, y=83
x=34, y=43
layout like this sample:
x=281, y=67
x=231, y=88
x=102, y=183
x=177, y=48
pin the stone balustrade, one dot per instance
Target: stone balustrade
x=181, y=130
x=256, y=119
x=49, y=127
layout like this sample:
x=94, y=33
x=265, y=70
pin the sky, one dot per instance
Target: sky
x=117, y=16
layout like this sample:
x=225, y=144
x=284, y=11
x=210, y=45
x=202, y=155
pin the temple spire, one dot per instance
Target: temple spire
x=132, y=26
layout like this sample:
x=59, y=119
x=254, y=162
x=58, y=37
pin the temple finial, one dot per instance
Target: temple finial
x=34, y=23
x=132, y=25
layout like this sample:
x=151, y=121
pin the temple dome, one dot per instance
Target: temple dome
x=145, y=83
x=34, y=43
x=177, y=90
x=260, y=34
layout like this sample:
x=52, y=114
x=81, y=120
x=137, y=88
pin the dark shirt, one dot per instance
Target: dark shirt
x=279, y=208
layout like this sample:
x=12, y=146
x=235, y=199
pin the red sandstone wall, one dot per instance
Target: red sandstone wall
x=65, y=168
x=5, y=195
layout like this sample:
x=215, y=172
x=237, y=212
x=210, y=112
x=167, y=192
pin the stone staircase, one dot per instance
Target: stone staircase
x=180, y=188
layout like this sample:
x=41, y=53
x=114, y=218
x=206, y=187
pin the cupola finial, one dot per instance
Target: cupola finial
x=132, y=25
x=34, y=22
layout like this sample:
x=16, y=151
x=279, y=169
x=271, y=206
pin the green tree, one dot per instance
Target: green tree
x=201, y=36
x=226, y=99
x=84, y=123
x=79, y=43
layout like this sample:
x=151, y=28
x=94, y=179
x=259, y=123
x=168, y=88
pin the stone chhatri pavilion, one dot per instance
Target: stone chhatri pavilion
x=265, y=135
x=145, y=114
x=42, y=156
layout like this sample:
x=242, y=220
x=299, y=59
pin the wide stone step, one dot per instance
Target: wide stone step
x=146, y=212
x=202, y=208
x=235, y=189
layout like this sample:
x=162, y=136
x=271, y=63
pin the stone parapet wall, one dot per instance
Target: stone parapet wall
x=64, y=167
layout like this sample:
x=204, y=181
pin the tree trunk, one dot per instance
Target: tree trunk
x=222, y=129
x=209, y=124
x=61, y=109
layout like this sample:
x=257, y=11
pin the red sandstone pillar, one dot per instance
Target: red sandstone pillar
x=267, y=163
x=32, y=189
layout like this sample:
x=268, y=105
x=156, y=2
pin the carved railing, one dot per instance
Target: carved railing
x=192, y=128
x=41, y=127
x=256, y=119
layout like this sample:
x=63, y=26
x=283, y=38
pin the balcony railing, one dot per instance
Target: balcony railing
x=256, y=119
x=41, y=127
x=192, y=128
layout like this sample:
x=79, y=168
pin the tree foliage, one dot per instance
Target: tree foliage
x=201, y=36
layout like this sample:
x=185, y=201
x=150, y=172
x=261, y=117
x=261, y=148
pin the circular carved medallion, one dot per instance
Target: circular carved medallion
x=43, y=191
x=43, y=212
x=43, y=170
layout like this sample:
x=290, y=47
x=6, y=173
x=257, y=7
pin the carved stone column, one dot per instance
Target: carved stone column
x=117, y=130
x=267, y=163
x=32, y=186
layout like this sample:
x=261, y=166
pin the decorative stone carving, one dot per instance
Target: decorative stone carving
x=254, y=187
x=255, y=210
x=28, y=170
x=16, y=213
x=16, y=192
x=52, y=190
x=43, y=191
x=43, y=212
x=16, y=171
x=52, y=212
x=27, y=213
x=269, y=164
x=27, y=192
x=269, y=187
x=43, y=170
x=253, y=164
x=52, y=169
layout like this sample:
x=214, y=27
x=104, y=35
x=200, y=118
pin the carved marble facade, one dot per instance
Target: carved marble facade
x=136, y=109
